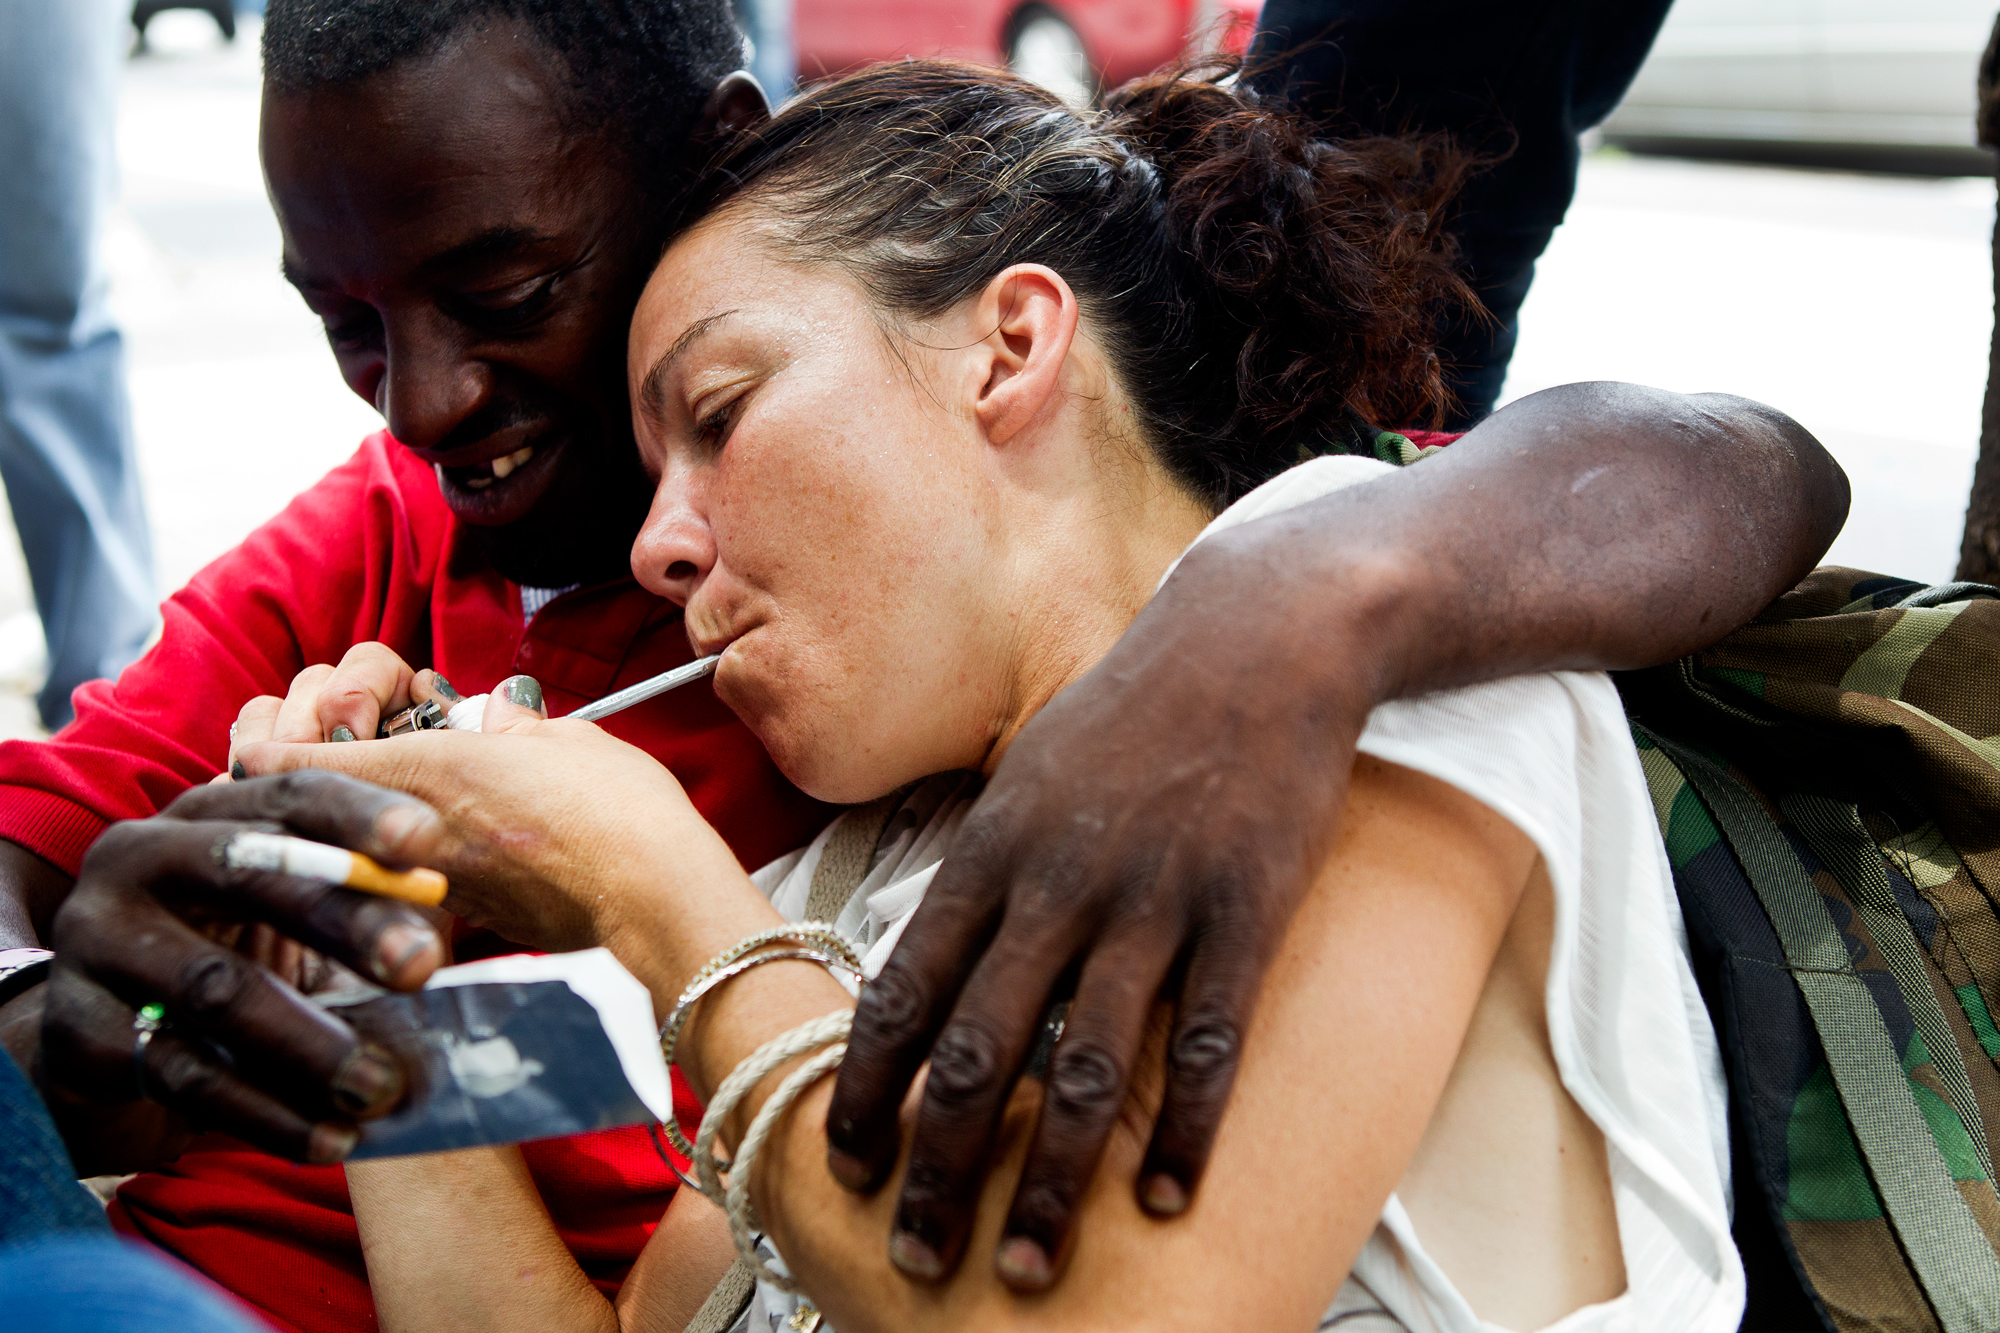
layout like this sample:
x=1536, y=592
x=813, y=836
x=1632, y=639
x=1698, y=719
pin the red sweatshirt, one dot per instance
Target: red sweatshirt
x=371, y=552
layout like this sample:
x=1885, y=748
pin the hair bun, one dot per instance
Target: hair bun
x=1326, y=263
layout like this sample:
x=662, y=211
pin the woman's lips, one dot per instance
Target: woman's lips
x=713, y=646
x=501, y=490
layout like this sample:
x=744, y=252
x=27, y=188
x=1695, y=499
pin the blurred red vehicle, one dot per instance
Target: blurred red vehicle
x=1074, y=47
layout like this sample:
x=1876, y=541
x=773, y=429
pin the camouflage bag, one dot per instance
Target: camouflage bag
x=1827, y=780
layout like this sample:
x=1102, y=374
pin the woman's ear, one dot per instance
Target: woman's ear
x=1032, y=314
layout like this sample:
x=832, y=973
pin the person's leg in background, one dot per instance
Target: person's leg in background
x=1528, y=74
x=66, y=454
x=61, y=1269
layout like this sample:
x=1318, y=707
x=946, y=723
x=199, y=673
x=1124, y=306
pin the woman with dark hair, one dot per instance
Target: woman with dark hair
x=938, y=385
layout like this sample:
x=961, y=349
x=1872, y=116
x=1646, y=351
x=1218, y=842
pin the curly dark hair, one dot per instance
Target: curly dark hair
x=1261, y=290
x=640, y=68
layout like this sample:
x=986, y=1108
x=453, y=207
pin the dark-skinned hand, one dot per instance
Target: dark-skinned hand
x=157, y=916
x=1126, y=847
x=1148, y=834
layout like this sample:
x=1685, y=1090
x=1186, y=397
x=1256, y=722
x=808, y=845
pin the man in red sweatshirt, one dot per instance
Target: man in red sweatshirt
x=471, y=197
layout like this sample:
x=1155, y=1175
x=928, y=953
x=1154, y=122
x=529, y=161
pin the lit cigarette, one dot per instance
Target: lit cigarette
x=334, y=865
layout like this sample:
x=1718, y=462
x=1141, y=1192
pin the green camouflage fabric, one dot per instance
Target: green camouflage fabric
x=1827, y=781
x=1400, y=450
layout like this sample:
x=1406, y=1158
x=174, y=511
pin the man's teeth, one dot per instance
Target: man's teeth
x=502, y=467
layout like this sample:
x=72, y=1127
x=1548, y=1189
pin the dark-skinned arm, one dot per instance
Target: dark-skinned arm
x=1162, y=816
x=1586, y=527
x=30, y=891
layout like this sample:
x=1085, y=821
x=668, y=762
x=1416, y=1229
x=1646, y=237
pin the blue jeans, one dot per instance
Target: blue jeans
x=1517, y=77
x=66, y=452
x=61, y=1269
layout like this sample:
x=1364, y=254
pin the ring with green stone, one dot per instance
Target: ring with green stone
x=150, y=1019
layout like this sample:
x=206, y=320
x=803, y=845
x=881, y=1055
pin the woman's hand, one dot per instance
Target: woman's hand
x=555, y=834
x=339, y=703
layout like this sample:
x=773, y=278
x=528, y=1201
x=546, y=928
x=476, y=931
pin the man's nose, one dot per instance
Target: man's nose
x=676, y=548
x=428, y=386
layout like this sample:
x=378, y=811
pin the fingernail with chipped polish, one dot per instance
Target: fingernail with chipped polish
x=444, y=688
x=1165, y=1196
x=913, y=1258
x=368, y=1080
x=848, y=1170
x=328, y=1144
x=237, y=773
x=1023, y=1264
x=397, y=946
x=523, y=691
x=341, y=733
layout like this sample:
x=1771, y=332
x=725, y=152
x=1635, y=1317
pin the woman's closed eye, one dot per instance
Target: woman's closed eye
x=713, y=422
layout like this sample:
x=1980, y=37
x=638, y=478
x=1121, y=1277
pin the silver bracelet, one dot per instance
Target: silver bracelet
x=712, y=977
x=811, y=934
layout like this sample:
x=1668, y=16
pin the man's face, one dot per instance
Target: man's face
x=476, y=262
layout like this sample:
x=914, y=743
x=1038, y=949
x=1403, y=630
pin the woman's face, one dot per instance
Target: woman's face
x=826, y=512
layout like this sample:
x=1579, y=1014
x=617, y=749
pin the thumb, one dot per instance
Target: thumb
x=514, y=705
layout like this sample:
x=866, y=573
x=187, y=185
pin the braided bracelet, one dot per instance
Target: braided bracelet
x=745, y=1161
x=670, y=1035
x=773, y=1054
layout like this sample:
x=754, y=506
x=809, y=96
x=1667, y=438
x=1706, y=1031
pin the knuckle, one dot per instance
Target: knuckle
x=344, y=694
x=892, y=1005
x=261, y=706
x=928, y=1186
x=85, y=920
x=1060, y=882
x=115, y=844
x=965, y=1066
x=1206, y=1048
x=178, y=1075
x=1041, y=1205
x=984, y=839
x=297, y=789
x=1085, y=1081
x=212, y=985
x=362, y=654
